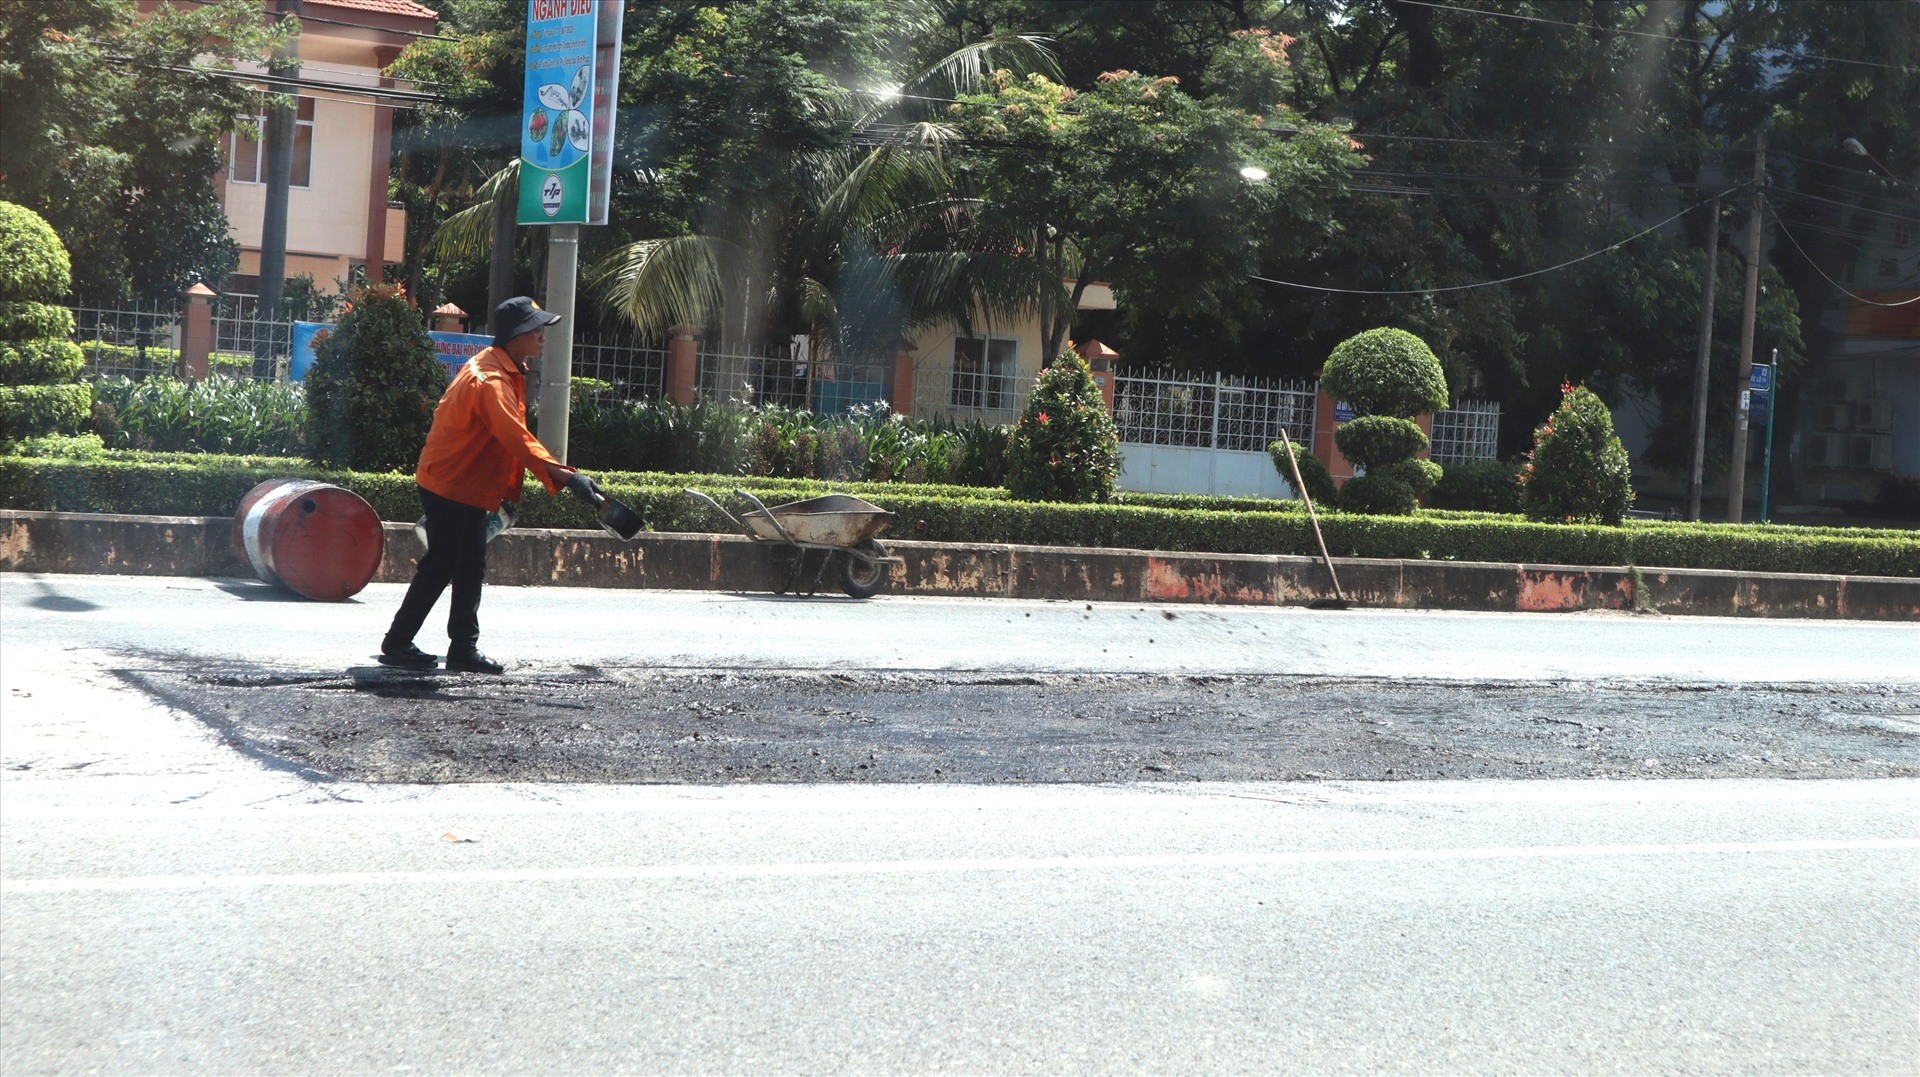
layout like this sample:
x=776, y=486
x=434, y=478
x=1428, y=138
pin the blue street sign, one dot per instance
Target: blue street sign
x=1761, y=380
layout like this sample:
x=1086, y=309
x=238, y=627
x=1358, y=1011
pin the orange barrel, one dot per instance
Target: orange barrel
x=316, y=540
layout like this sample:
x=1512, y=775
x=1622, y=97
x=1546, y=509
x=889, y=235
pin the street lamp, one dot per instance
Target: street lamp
x=1853, y=146
x=1253, y=173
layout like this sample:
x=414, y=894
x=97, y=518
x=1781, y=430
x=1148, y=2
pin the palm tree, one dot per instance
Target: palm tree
x=868, y=241
x=485, y=229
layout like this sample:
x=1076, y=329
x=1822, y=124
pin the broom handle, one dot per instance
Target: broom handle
x=1301, y=487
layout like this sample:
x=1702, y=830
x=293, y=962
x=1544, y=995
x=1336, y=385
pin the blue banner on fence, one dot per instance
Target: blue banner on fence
x=453, y=349
x=306, y=337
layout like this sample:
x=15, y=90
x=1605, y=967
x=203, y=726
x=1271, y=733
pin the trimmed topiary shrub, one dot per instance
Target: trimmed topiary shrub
x=33, y=262
x=1386, y=372
x=1578, y=471
x=1313, y=473
x=1478, y=486
x=34, y=321
x=373, y=386
x=34, y=410
x=1387, y=376
x=1420, y=475
x=1373, y=441
x=38, y=364
x=1066, y=446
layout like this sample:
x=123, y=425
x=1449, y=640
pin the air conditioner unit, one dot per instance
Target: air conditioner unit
x=1837, y=417
x=1874, y=415
x=1827, y=450
x=1880, y=455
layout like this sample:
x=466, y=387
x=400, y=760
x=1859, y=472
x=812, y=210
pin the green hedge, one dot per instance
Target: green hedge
x=30, y=410
x=189, y=485
x=39, y=362
x=35, y=321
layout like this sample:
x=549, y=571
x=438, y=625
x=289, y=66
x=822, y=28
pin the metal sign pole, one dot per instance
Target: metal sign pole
x=1766, y=467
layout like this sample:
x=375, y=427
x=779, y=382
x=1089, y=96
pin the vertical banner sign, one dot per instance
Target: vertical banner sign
x=610, y=20
x=1760, y=383
x=556, y=137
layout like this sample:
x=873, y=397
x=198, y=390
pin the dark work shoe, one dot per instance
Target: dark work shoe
x=407, y=657
x=473, y=662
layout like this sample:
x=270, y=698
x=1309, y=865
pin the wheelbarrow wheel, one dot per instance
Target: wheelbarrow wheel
x=863, y=577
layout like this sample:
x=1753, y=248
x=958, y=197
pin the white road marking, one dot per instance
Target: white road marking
x=923, y=867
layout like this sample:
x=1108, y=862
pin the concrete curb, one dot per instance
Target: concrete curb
x=58, y=542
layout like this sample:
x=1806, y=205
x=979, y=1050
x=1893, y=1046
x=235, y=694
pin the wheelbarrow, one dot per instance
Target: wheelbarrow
x=838, y=528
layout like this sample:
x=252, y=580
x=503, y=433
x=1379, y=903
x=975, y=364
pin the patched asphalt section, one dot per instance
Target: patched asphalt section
x=726, y=726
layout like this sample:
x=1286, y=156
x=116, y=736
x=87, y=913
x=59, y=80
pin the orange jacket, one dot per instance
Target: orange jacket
x=479, y=449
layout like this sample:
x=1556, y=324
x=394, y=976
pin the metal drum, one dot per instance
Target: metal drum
x=316, y=540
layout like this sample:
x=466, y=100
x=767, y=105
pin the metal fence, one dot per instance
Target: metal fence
x=247, y=345
x=1211, y=411
x=1470, y=430
x=128, y=339
x=790, y=377
x=637, y=371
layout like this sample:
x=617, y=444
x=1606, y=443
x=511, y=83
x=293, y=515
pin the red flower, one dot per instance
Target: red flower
x=1043, y=417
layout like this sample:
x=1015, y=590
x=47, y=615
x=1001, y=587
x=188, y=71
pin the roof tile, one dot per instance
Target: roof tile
x=405, y=8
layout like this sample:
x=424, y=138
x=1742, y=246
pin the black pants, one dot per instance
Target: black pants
x=456, y=554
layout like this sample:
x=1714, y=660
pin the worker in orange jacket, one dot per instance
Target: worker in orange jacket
x=475, y=461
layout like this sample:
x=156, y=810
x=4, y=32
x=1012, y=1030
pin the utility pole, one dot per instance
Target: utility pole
x=278, y=145
x=1737, y=467
x=1702, y=363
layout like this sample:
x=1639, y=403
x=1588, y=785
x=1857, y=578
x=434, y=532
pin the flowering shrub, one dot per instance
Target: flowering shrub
x=374, y=384
x=1578, y=471
x=1066, y=446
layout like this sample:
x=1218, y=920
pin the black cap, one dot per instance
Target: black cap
x=519, y=315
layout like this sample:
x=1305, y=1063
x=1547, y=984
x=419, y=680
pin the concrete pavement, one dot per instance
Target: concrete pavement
x=174, y=905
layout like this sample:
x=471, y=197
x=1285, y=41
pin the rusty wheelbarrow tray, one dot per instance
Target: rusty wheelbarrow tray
x=838, y=527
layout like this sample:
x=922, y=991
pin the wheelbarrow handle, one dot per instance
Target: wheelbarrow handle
x=716, y=507
x=768, y=513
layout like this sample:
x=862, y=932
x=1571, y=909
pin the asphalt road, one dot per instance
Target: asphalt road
x=183, y=894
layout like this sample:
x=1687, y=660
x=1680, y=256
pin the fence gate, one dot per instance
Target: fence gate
x=1207, y=434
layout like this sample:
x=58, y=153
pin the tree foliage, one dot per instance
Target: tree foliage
x=113, y=128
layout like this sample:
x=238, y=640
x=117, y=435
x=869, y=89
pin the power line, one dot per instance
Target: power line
x=1503, y=280
x=1645, y=33
x=1854, y=207
x=1841, y=288
x=284, y=81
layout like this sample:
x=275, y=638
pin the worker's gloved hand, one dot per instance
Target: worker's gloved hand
x=582, y=486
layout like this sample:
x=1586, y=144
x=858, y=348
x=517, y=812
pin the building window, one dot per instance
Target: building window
x=1903, y=235
x=246, y=157
x=1889, y=267
x=984, y=369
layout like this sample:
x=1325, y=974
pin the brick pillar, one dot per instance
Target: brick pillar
x=1323, y=446
x=1100, y=360
x=196, y=332
x=683, y=364
x=1426, y=427
x=903, y=379
x=380, y=164
x=448, y=318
